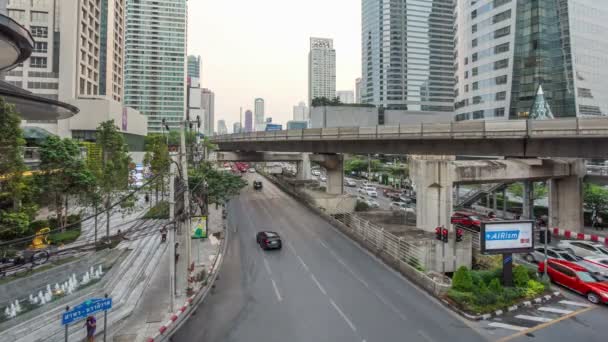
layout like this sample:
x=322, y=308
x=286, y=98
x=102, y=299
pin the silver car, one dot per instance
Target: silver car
x=583, y=248
x=556, y=253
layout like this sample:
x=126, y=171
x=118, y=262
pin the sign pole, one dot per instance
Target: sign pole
x=67, y=308
x=105, y=322
x=507, y=269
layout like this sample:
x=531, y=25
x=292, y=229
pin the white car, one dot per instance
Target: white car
x=323, y=179
x=402, y=206
x=596, y=264
x=556, y=253
x=372, y=204
x=315, y=172
x=370, y=191
x=252, y=170
x=583, y=248
x=350, y=183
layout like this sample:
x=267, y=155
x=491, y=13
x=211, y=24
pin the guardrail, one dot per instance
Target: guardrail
x=509, y=129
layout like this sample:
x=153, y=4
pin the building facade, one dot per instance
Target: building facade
x=358, y=83
x=321, y=69
x=221, y=127
x=194, y=66
x=506, y=49
x=248, y=121
x=407, y=54
x=208, y=106
x=236, y=127
x=346, y=96
x=155, y=69
x=296, y=124
x=300, y=112
x=259, y=112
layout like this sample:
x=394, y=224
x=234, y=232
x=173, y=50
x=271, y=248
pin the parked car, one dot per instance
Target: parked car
x=372, y=204
x=467, y=220
x=252, y=170
x=269, y=240
x=583, y=248
x=350, y=183
x=402, y=206
x=555, y=253
x=257, y=185
x=597, y=264
x=577, y=278
x=315, y=172
x=405, y=199
x=371, y=192
x=323, y=178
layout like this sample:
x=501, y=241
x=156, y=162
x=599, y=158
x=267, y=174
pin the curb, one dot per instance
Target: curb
x=186, y=310
x=498, y=313
x=579, y=236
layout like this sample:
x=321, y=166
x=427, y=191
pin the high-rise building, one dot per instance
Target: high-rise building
x=259, y=114
x=221, y=127
x=358, y=90
x=208, y=106
x=321, y=69
x=194, y=66
x=155, y=67
x=346, y=96
x=300, y=112
x=407, y=54
x=506, y=50
x=248, y=121
x=236, y=127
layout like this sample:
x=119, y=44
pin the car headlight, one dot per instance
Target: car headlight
x=604, y=294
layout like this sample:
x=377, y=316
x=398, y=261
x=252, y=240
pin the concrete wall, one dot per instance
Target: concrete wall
x=495, y=171
x=401, y=117
x=343, y=116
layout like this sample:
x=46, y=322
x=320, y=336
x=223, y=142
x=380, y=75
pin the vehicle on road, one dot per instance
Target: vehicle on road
x=402, y=206
x=577, y=278
x=583, y=248
x=555, y=253
x=469, y=220
x=269, y=240
x=350, y=183
x=598, y=264
x=371, y=192
x=257, y=185
x=323, y=178
x=372, y=204
x=315, y=172
x=251, y=170
x=405, y=199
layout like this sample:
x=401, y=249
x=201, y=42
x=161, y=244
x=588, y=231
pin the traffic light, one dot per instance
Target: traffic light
x=438, y=233
x=459, y=234
x=445, y=235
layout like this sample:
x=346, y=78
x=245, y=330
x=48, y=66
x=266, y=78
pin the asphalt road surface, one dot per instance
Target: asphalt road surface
x=319, y=287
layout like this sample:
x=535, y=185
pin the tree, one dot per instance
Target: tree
x=540, y=190
x=113, y=177
x=596, y=198
x=11, y=156
x=157, y=160
x=324, y=101
x=64, y=174
x=220, y=185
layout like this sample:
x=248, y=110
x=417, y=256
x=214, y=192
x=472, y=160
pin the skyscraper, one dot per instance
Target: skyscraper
x=358, y=90
x=259, y=114
x=236, y=127
x=506, y=50
x=194, y=66
x=208, y=106
x=248, y=121
x=221, y=127
x=321, y=69
x=155, y=60
x=300, y=112
x=407, y=54
x=346, y=96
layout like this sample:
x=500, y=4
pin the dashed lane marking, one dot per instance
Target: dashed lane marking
x=318, y=284
x=348, y=321
x=303, y=263
x=425, y=336
x=507, y=326
x=534, y=318
x=267, y=266
x=569, y=302
x=276, y=290
x=555, y=310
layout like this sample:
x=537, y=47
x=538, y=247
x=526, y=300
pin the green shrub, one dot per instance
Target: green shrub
x=462, y=280
x=65, y=237
x=484, y=296
x=510, y=294
x=520, y=276
x=487, y=275
x=534, y=288
x=462, y=298
x=495, y=286
x=159, y=211
x=37, y=225
x=361, y=206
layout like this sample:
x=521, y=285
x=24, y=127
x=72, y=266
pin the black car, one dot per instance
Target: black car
x=269, y=240
x=257, y=185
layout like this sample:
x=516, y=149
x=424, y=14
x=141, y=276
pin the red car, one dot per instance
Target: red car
x=576, y=278
x=467, y=220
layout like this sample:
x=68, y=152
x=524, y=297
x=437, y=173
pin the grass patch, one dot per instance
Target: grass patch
x=159, y=211
x=65, y=237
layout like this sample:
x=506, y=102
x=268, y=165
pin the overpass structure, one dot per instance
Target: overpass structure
x=571, y=138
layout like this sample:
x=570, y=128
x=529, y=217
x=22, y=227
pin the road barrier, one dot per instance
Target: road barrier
x=567, y=234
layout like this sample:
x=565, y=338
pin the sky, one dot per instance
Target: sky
x=253, y=49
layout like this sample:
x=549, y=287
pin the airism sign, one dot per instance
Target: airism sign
x=498, y=237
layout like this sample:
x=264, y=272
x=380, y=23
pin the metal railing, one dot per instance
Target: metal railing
x=574, y=127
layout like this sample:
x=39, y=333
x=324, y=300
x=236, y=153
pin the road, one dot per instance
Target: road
x=319, y=287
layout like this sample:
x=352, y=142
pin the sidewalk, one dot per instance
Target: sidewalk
x=153, y=309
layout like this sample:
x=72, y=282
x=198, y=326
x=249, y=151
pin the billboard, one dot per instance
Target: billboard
x=499, y=237
x=273, y=127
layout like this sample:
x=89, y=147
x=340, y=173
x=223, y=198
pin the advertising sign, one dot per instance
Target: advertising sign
x=273, y=127
x=199, y=230
x=499, y=237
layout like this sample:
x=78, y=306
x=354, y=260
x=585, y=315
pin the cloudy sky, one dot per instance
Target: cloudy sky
x=260, y=48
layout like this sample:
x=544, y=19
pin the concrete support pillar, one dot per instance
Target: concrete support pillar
x=334, y=165
x=433, y=176
x=528, y=201
x=488, y=201
x=566, y=199
x=303, y=168
x=457, y=194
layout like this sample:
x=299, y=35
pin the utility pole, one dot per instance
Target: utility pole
x=186, y=224
x=172, y=231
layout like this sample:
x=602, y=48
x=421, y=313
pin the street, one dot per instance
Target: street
x=319, y=287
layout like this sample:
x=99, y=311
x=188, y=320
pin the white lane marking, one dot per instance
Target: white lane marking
x=568, y=302
x=534, y=318
x=425, y=336
x=555, y=310
x=303, y=263
x=507, y=326
x=276, y=290
x=348, y=321
x=390, y=305
x=323, y=244
x=318, y=284
x=267, y=266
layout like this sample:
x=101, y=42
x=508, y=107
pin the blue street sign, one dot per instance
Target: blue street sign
x=507, y=260
x=85, y=309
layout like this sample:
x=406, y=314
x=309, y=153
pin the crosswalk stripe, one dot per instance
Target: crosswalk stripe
x=534, y=318
x=507, y=326
x=554, y=310
x=568, y=302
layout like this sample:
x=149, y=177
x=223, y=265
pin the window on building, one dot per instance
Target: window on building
x=478, y=114
x=501, y=80
x=37, y=16
x=17, y=3
x=474, y=42
x=475, y=85
x=474, y=28
x=17, y=15
x=499, y=112
x=501, y=16
x=39, y=3
x=501, y=64
x=474, y=14
x=466, y=75
x=38, y=62
x=475, y=71
x=501, y=96
x=505, y=31
x=475, y=57
x=501, y=48
x=466, y=88
x=584, y=92
x=39, y=31
x=41, y=47
x=476, y=99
